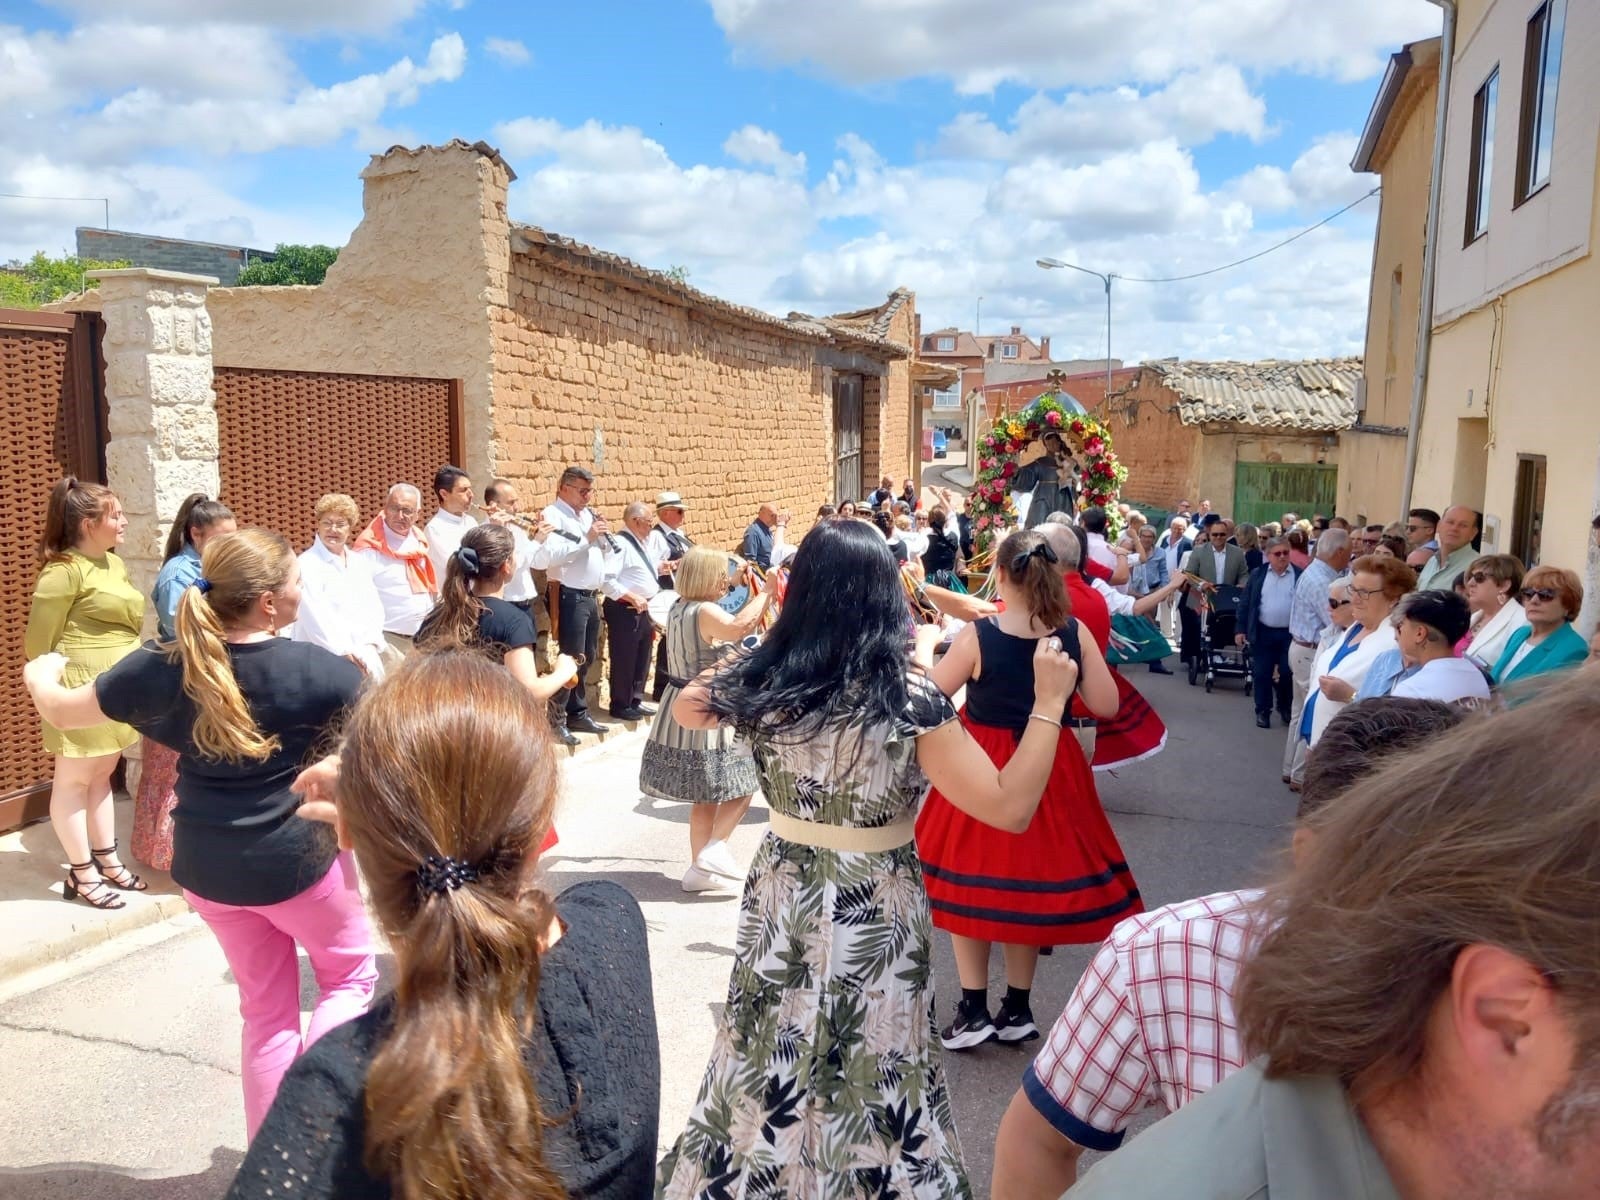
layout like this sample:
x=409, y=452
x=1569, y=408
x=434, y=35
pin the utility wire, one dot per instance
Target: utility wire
x=1260, y=253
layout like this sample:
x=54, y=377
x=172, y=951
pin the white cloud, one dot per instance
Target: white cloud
x=761, y=147
x=507, y=50
x=299, y=16
x=1056, y=43
x=1319, y=179
x=1194, y=108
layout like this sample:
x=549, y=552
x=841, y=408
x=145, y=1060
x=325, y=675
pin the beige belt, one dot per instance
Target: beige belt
x=849, y=839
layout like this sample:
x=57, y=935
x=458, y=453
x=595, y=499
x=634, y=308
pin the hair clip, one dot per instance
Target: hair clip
x=439, y=874
x=203, y=584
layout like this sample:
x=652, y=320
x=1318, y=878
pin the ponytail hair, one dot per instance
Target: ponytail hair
x=484, y=550
x=237, y=569
x=196, y=512
x=446, y=790
x=1028, y=562
x=71, y=504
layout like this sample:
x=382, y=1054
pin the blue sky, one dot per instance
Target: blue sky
x=806, y=154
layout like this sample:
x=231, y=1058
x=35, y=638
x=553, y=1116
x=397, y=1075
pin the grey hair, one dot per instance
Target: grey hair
x=1330, y=542
x=1059, y=518
x=636, y=509
x=1069, y=551
x=1273, y=543
x=1341, y=584
x=416, y=493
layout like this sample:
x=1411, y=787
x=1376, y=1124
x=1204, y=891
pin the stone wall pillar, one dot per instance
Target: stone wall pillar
x=162, y=423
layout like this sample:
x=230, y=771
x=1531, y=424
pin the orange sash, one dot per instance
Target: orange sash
x=419, y=567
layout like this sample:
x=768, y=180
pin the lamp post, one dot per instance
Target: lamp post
x=1054, y=264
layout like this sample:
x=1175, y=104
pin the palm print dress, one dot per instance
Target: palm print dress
x=825, y=1080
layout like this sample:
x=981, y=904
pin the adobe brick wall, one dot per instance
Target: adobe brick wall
x=1162, y=454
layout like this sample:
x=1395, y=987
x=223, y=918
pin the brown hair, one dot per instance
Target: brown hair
x=237, y=569
x=71, y=504
x=1502, y=568
x=1566, y=584
x=198, y=511
x=484, y=550
x=447, y=758
x=1398, y=579
x=1350, y=747
x=1030, y=562
x=1297, y=539
x=338, y=504
x=1488, y=835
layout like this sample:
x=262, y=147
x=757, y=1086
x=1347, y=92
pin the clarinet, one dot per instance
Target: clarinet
x=611, y=542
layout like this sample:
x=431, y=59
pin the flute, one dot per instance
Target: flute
x=525, y=523
x=611, y=542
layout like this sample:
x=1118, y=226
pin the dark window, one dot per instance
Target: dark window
x=1527, y=520
x=1541, y=69
x=1480, y=168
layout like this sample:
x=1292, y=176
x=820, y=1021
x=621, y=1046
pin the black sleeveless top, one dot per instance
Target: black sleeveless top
x=1002, y=697
x=940, y=554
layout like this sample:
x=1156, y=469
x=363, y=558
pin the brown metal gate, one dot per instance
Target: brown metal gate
x=847, y=438
x=287, y=437
x=50, y=394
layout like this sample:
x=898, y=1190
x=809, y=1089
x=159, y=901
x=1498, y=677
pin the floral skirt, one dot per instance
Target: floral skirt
x=152, y=807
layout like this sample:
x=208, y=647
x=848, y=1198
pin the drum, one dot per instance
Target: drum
x=739, y=593
x=660, y=605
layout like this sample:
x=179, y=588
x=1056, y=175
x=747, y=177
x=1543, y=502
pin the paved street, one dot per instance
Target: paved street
x=121, y=1066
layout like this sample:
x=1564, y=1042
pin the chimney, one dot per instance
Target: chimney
x=1044, y=348
x=1016, y=331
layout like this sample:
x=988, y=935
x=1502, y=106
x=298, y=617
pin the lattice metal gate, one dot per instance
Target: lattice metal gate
x=50, y=394
x=287, y=437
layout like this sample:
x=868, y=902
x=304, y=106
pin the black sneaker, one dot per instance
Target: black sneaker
x=968, y=1030
x=1015, y=1025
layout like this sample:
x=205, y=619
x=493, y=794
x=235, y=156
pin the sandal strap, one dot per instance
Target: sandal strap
x=109, y=850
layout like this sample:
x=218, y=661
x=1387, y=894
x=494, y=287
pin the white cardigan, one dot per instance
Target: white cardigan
x=1353, y=670
x=1489, y=639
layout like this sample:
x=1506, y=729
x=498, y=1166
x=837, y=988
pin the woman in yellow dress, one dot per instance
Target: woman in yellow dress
x=86, y=607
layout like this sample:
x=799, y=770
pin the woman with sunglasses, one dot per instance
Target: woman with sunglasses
x=1494, y=594
x=1551, y=596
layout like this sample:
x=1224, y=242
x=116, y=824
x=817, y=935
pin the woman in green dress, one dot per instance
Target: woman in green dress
x=85, y=606
x=825, y=1079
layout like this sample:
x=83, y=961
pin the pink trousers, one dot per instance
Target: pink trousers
x=258, y=941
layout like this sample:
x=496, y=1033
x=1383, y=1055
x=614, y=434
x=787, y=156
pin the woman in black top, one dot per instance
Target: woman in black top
x=940, y=558
x=473, y=613
x=517, y=1057
x=244, y=708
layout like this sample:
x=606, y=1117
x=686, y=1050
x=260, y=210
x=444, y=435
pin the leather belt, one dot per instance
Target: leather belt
x=846, y=839
x=1307, y=645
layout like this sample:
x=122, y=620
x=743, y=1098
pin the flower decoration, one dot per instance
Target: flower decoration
x=1101, y=474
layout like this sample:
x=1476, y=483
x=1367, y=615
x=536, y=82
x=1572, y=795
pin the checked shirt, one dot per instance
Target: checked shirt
x=1150, y=1023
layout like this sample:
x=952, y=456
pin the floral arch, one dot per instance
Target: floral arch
x=1100, y=477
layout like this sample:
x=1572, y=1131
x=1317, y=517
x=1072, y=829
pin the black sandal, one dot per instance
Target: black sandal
x=95, y=894
x=123, y=879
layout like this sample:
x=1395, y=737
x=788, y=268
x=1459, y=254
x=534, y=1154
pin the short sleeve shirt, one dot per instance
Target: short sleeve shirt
x=236, y=838
x=1151, y=1022
x=502, y=628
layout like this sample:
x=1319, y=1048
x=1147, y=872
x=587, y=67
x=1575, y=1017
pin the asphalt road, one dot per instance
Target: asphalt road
x=120, y=1067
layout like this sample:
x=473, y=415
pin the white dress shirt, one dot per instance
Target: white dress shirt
x=1174, y=552
x=633, y=570
x=403, y=609
x=575, y=562
x=1449, y=680
x=1120, y=603
x=659, y=546
x=527, y=556
x=444, y=537
x=1277, y=598
x=1100, y=551
x=1222, y=563
x=339, y=606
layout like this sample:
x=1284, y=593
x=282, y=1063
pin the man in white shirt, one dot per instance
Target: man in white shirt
x=667, y=544
x=397, y=553
x=531, y=551
x=580, y=544
x=445, y=529
x=1094, y=524
x=1430, y=625
x=628, y=584
x=1174, y=544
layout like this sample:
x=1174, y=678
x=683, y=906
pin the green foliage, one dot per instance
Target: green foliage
x=293, y=264
x=678, y=274
x=43, y=279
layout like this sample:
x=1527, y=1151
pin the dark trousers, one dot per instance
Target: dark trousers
x=1268, y=652
x=1188, y=632
x=579, y=620
x=629, y=635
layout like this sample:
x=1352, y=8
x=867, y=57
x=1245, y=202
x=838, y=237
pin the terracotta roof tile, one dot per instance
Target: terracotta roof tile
x=1315, y=395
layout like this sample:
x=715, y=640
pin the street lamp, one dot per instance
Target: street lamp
x=1053, y=264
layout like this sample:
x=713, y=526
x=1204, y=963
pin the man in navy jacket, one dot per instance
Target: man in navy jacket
x=1264, y=623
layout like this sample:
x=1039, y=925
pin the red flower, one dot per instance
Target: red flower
x=1052, y=418
x=1009, y=469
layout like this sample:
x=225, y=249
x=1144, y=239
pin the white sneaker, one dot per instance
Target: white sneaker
x=696, y=880
x=717, y=859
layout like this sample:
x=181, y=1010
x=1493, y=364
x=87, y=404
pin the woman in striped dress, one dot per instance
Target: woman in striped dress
x=704, y=769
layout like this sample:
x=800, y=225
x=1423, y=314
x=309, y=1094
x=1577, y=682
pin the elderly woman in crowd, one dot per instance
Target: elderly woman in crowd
x=1551, y=597
x=1493, y=584
x=1341, y=670
x=1249, y=539
x=1299, y=548
x=339, y=605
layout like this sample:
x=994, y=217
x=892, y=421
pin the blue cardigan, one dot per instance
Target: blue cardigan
x=1562, y=649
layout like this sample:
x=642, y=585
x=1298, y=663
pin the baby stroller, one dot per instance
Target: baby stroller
x=1219, y=658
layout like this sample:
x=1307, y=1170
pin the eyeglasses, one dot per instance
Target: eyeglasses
x=1539, y=593
x=1279, y=554
x=333, y=523
x=400, y=512
x=1481, y=577
x=1364, y=593
x=1414, y=527
x=1221, y=533
x=1332, y=604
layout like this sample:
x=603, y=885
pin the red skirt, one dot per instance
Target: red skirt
x=151, y=843
x=1062, y=881
x=1136, y=731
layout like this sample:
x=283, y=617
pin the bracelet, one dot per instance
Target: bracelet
x=1033, y=716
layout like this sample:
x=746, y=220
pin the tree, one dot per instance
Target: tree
x=289, y=265
x=43, y=279
x=678, y=275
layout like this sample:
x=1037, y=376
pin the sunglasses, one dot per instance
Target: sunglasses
x=1539, y=593
x=1279, y=554
x=1481, y=577
x=1332, y=604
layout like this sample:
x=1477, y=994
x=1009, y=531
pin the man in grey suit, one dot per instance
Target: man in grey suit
x=1216, y=562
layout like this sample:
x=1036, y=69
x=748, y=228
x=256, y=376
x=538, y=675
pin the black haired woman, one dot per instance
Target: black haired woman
x=825, y=1078
x=1062, y=880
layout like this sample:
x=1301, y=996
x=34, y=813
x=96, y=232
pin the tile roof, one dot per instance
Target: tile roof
x=860, y=329
x=1315, y=395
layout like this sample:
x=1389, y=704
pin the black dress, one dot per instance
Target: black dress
x=939, y=559
x=593, y=1051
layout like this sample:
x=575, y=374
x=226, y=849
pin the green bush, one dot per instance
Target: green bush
x=292, y=264
x=43, y=279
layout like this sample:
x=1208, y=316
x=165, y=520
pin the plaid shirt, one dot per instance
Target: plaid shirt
x=1150, y=1023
